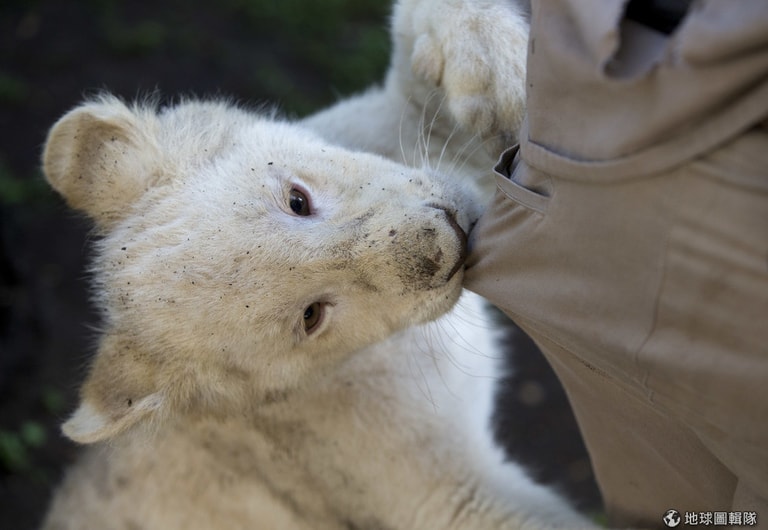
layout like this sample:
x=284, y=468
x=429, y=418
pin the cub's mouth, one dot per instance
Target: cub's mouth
x=461, y=235
x=460, y=251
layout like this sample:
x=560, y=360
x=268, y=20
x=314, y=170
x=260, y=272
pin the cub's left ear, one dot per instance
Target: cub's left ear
x=102, y=157
x=89, y=424
x=122, y=390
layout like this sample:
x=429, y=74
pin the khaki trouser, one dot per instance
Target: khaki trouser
x=642, y=271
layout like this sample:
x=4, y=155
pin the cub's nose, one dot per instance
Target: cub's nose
x=429, y=248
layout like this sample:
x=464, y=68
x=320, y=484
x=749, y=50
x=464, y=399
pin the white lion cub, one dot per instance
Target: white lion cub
x=266, y=360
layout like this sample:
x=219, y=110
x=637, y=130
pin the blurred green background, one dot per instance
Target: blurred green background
x=297, y=54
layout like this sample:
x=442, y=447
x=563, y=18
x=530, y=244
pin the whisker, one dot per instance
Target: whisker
x=423, y=140
x=432, y=123
x=444, y=149
x=422, y=380
x=462, y=155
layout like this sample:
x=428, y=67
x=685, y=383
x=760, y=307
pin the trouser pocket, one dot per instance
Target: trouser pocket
x=527, y=187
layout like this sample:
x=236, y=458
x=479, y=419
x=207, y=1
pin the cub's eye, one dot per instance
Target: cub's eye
x=313, y=316
x=299, y=202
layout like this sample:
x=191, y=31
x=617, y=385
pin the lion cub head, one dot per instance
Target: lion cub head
x=240, y=255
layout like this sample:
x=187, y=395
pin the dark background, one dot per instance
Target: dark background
x=298, y=54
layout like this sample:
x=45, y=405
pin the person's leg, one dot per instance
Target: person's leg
x=646, y=462
x=707, y=358
x=649, y=296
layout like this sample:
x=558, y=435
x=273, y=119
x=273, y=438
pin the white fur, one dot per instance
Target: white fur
x=211, y=402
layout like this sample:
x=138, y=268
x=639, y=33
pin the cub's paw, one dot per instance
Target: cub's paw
x=475, y=52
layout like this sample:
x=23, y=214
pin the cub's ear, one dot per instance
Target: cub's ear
x=120, y=392
x=89, y=424
x=102, y=156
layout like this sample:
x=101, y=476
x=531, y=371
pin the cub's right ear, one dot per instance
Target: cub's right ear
x=102, y=157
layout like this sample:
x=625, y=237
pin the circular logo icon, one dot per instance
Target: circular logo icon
x=671, y=518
